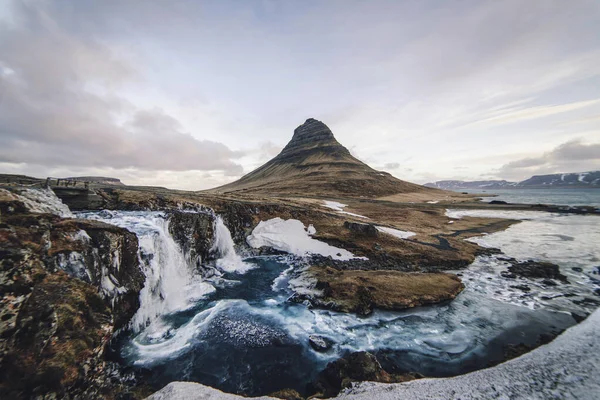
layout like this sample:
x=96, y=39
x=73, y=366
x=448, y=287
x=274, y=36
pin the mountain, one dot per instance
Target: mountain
x=315, y=163
x=591, y=178
x=452, y=185
x=576, y=179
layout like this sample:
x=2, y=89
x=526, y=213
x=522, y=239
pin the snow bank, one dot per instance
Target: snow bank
x=395, y=232
x=292, y=237
x=339, y=207
x=43, y=201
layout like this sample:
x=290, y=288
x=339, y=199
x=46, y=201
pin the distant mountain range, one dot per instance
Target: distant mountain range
x=578, y=179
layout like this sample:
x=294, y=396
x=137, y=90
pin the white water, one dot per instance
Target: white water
x=229, y=260
x=570, y=241
x=171, y=283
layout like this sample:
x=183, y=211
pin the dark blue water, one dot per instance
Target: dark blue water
x=246, y=338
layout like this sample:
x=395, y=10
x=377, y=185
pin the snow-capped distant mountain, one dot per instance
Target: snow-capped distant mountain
x=591, y=178
x=576, y=179
x=451, y=185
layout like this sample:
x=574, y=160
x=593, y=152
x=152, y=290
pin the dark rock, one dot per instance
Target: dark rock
x=194, y=233
x=577, y=269
x=597, y=292
x=549, y=282
x=524, y=288
x=537, y=269
x=354, y=367
x=287, y=394
x=587, y=301
x=498, y=202
x=362, y=229
x=58, y=310
x=320, y=343
x=508, y=275
x=579, y=317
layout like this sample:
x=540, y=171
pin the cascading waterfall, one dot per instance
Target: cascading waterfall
x=229, y=260
x=172, y=282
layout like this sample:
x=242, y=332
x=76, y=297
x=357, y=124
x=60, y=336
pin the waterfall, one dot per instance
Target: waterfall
x=171, y=283
x=229, y=260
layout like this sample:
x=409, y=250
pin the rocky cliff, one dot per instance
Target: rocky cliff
x=67, y=285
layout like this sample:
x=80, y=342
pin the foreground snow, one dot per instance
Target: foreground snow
x=567, y=368
x=292, y=237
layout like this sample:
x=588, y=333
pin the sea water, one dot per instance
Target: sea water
x=554, y=196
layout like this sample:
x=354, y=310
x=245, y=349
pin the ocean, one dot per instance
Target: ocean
x=562, y=196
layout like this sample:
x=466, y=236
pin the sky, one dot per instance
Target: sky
x=193, y=94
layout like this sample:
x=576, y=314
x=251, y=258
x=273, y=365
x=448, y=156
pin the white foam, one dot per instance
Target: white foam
x=171, y=283
x=292, y=237
x=230, y=261
x=395, y=232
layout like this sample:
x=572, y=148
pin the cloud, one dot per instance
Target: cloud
x=58, y=107
x=512, y=115
x=572, y=156
x=391, y=166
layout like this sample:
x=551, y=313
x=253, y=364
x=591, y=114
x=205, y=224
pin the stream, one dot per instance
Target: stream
x=237, y=332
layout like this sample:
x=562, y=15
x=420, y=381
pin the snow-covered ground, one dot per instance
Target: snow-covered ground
x=339, y=207
x=292, y=237
x=395, y=232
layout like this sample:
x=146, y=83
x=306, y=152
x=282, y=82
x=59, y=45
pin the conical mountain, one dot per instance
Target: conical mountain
x=315, y=163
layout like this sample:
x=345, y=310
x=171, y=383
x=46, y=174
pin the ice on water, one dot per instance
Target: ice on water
x=570, y=241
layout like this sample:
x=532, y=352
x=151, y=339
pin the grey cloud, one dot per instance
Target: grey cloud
x=572, y=156
x=391, y=166
x=56, y=107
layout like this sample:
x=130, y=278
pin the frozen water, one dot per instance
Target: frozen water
x=570, y=241
x=292, y=237
x=523, y=215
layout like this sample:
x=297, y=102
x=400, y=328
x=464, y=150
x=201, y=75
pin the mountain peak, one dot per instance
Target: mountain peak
x=311, y=136
x=314, y=162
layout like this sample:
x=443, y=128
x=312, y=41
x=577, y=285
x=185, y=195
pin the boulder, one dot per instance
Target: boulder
x=320, y=343
x=354, y=367
x=537, y=269
x=362, y=229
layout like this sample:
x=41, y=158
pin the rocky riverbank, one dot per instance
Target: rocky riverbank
x=67, y=286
